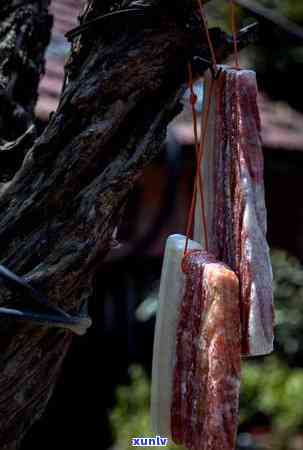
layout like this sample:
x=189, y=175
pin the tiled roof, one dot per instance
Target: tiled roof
x=282, y=126
x=65, y=14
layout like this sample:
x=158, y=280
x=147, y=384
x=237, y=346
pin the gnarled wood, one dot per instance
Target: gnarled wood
x=59, y=211
x=24, y=34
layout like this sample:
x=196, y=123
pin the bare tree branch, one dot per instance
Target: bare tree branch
x=59, y=211
x=271, y=17
x=12, y=153
x=24, y=35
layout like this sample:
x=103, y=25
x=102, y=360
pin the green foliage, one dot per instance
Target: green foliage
x=275, y=390
x=292, y=9
x=131, y=418
x=219, y=12
x=288, y=293
x=273, y=386
x=277, y=58
x=270, y=386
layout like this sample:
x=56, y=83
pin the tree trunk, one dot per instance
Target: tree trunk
x=62, y=194
x=59, y=211
x=24, y=34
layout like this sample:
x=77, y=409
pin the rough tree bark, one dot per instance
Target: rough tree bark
x=24, y=35
x=59, y=211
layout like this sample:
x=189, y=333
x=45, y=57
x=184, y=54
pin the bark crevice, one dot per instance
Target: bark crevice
x=59, y=211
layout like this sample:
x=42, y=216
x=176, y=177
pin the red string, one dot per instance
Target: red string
x=198, y=178
x=193, y=100
x=199, y=146
x=204, y=125
x=190, y=217
x=210, y=44
x=234, y=33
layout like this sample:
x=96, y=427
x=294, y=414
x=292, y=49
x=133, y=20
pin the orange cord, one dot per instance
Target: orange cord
x=198, y=178
x=204, y=125
x=193, y=101
x=199, y=146
x=210, y=45
x=234, y=32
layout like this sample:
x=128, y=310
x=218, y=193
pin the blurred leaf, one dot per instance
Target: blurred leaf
x=130, y=418
x=271, y=386
x=288, y=295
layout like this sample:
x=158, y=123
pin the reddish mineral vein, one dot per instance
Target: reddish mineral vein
x=204, y=410
x=235, y=207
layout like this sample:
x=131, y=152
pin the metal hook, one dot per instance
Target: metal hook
x=216, y=72
x=207, y=64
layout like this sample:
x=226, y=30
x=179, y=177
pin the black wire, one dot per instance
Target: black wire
x=58, y=317
x=132, y=12
x=16, y=282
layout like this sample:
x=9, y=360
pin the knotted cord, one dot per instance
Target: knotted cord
x=199, y=182
x=199, y=146
x=209, y=41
